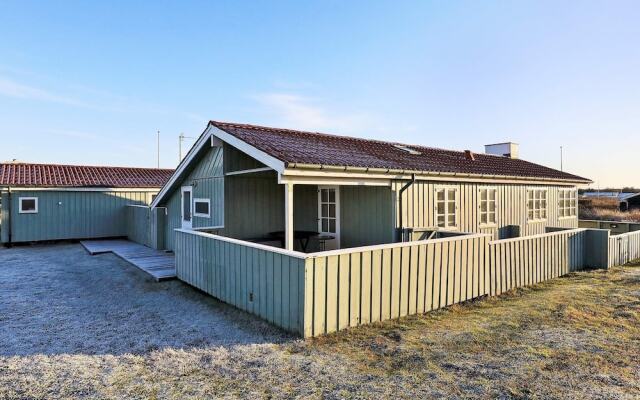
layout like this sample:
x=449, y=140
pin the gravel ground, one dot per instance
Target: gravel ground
x=77, y=326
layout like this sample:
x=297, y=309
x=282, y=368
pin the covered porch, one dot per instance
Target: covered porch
x=306, y=216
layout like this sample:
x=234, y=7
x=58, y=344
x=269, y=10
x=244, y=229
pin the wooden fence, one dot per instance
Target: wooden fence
x=138, y=224
x=346, y=288
x=263, y=280
x=624, y=248
x=319, y=293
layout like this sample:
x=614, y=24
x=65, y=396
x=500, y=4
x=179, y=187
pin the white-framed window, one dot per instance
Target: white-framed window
x=567, y=203
x=28, y=205
x=202, y=208
x=488, y=206
x=537, y=204
x=447, y=207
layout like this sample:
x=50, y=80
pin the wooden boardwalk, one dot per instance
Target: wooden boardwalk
x=159, y=264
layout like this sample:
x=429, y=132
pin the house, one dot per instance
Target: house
x=310, y=191
x=54, y=202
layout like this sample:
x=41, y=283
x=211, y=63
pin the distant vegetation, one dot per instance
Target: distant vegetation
x=607, y=209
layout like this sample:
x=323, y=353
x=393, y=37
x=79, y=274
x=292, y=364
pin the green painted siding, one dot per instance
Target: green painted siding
x=366, y=216
x=235, y=160
x=419, y=208
x=138, y=223
x=4, y=217
x=73, y=214
x=206, y=177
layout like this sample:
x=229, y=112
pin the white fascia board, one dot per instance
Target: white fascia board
x=202, y=141
x=80, y=189
x=248, y=149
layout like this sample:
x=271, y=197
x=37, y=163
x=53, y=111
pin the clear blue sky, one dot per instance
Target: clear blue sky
x=91, y=82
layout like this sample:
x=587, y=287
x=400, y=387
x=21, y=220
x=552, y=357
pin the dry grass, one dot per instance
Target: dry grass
x=574, y=337
x=607, y=214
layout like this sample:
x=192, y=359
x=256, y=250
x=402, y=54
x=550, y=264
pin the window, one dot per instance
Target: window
x=488, y=205
x=201, y=208
x=567, y=203
x=28, y=205
x=328, y=210
x=537, y=204
x=446, y=207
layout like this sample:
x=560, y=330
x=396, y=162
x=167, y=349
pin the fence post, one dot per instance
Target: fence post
x=597, y=249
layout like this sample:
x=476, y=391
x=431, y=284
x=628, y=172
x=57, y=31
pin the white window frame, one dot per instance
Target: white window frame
x=571, y=209
x=537, y=212
x=456, y=213
x=21, y=211
x=489, y=223
x=202, y=215
x=337, y=217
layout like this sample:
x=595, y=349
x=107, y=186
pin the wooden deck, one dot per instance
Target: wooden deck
x=159, y=264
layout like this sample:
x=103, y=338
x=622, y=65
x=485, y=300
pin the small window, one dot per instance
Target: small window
x=201, y=208
x=447, y=207
x=567, y=203
x=537, y=205
x=28, y=205
x=488, y=206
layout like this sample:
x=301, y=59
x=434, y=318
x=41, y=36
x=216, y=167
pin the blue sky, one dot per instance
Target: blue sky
x=91, y=82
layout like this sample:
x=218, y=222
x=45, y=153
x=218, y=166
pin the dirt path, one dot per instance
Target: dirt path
x=81, y=326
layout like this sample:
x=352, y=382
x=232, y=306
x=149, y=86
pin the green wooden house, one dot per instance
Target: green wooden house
x=41, y=202
x=308, y=191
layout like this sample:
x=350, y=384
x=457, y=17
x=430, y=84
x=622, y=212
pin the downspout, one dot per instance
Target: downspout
x=402, y=190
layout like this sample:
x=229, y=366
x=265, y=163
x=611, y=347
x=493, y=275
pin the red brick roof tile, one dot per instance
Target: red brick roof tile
x=52, y=175
x=292, y=146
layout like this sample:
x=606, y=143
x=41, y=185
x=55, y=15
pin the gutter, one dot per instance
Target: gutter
x=402, y=190
x=389, y=171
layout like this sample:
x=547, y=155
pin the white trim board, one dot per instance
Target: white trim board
x=79, y=189
x=248, y=149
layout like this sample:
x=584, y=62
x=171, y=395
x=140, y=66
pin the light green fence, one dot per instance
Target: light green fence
x=346, y=288
x=320, y=293
x=265, y=281
x=624, y=248
x=139, y=224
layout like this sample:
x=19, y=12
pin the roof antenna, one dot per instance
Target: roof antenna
x=181, y=138
x=158, y=149
x=561, y=160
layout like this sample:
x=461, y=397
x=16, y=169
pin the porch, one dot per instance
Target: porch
x=304, y=217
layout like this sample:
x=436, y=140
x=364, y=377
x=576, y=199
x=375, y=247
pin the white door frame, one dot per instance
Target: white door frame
x=337, y=233
x=186, y=224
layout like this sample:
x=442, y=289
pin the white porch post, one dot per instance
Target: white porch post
x=288, y=216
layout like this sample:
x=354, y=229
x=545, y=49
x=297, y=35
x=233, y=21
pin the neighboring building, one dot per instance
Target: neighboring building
x=54, y=202
x=257, y=183
x=631, y=201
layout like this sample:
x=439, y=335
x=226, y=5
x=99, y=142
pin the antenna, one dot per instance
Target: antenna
x=561, y=160
x=181, y=137
x=158, y=149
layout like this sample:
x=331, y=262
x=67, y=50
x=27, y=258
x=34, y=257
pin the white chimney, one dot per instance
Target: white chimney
x=507, y=149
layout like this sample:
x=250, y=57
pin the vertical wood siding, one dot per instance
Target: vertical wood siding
x=264, y=282
x=349, y=288
x=73, y=215
x=138, y=223
x=208, y=174
x=624, y=248
x=366, y=215
x=418, y=207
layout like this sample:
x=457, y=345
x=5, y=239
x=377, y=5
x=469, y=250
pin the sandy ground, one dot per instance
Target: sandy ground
x=76, y=326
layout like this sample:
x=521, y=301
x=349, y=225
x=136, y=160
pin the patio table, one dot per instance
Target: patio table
x=302, y=237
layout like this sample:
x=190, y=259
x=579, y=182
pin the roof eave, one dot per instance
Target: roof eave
x=395, y=172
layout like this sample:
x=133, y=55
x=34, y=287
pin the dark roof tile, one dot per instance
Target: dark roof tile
x=292, y=146
x=52, y=175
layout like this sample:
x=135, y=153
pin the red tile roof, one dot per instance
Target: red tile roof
x=291, y=147
x=52, y=175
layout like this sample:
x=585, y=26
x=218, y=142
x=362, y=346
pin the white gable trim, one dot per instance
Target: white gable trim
x=253, y=152
x=214, y=137
x=202, y=141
